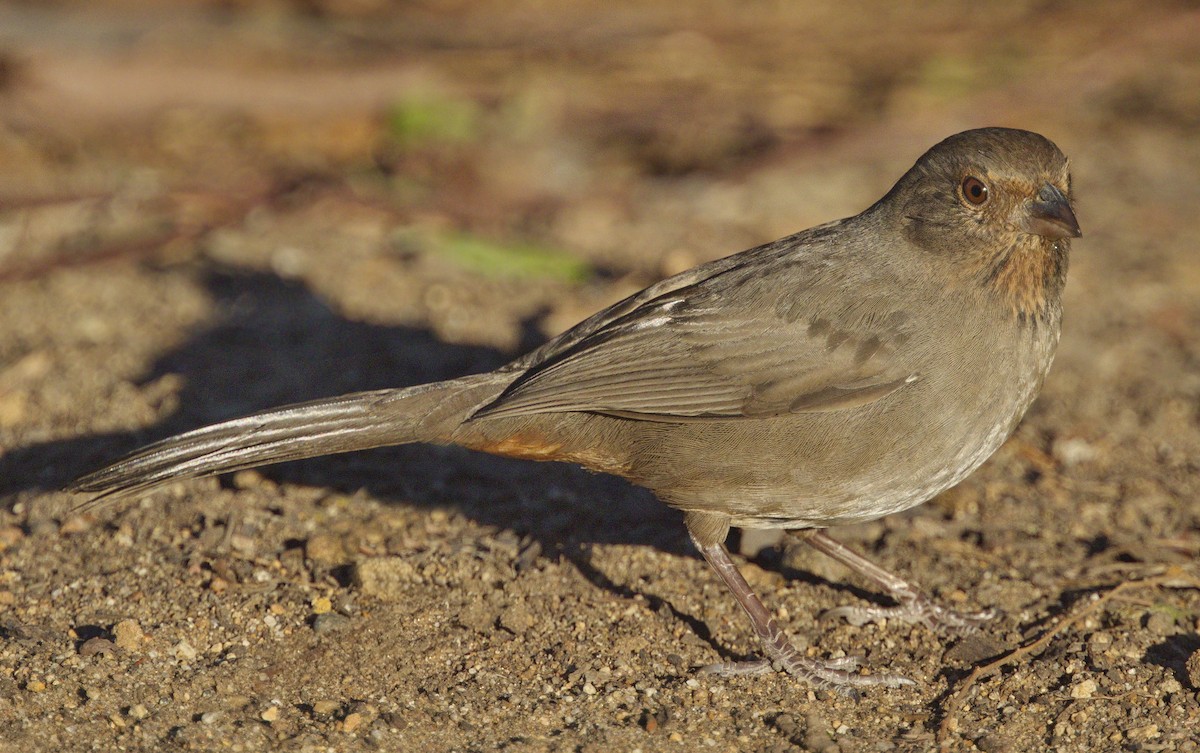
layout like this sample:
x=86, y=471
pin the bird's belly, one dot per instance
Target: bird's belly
x=825, y=469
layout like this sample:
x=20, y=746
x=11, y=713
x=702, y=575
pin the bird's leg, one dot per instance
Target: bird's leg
x=914, y=606
x=837, y=674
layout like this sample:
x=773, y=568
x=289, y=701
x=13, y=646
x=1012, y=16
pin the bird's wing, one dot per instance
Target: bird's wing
x=755, y=337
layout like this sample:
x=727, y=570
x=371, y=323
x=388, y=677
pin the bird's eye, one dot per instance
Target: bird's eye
x=974, y=191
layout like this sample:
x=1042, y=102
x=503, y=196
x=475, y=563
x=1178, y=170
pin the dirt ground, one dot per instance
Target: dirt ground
x=209, y=207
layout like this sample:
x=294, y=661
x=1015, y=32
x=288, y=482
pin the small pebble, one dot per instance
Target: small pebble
x=138, y=711
x=10, y=536
x=322, y=605
x=270, y=714
x=325, y=549
x=94, y=646
x=352, y=722
x=250, y=479
x=75, y=524
x=974, y=649
x=325, y=708
x=128, y=635
x=329, y=622
x=1145, y=732
x=184, y=650
x=1084, y=689
x=384, y=577
x=1160, y=623
x=516, y=618
x=993, y=743
x=1193, y=669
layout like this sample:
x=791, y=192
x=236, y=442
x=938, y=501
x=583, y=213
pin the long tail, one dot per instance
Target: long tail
x=359, y=421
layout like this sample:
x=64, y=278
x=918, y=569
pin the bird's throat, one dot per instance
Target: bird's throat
x=1028, y=277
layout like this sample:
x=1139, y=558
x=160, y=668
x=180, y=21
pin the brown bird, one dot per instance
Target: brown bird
x=834, y=376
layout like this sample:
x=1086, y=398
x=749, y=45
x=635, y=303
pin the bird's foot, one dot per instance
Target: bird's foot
x=838, y=675
x=914, y=608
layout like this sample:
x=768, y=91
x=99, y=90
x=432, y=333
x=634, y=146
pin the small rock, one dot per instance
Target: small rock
x=10, y=536
x=138, y=711
x=1099, y=645
x=384, y=577
x=1193, y=669
x=35, y=686
x=993, y=743
x=210, y=717
x=245, y=545
x=974, y=649
x=1084, y=689
x=327, y=550
x=516, y=618
x=329, y=622
x=184, y=650
x=786, y=723
x=321, y=605
x=325, y=708
x=128, y=635
x=1145, y=732
x=1160, y=623
x=1073, y=451
x=271, y=714
x=478, y=616
x=250, y=479
x=13, y=406
x=352, y=722
x=75, y=524
x=94, y=646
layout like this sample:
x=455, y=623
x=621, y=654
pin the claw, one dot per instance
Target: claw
x=914, y=606
x=832, y=674
x=914, y=611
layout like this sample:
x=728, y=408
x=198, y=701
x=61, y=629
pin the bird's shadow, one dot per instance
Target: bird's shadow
x=276, y=342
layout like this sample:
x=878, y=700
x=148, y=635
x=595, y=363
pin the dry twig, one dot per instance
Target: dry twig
x=1173, y=576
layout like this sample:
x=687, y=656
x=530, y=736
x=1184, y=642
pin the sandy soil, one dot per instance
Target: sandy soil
x=210, y=207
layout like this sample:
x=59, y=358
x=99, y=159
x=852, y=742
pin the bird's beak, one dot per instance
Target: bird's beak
x=1050, y=216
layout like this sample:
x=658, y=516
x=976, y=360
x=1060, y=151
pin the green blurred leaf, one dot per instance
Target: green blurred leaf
x=424, y=120
x=511, y=260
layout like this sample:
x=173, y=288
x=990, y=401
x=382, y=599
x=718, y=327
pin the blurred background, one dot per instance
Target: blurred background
x=213, y=206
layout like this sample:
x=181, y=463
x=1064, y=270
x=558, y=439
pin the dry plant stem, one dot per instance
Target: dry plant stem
x=1173, y=577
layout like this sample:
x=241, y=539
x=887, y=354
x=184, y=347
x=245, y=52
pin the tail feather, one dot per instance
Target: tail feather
x=359, y=421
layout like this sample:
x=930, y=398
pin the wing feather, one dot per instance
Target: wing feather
x=723, y=341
